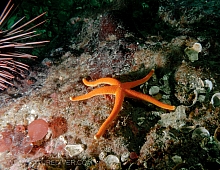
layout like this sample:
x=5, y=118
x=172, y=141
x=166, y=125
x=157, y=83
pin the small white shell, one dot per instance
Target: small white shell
x=125, y=156
x=200, y=133
x=102, y=156
x=74, y=150
x=186, y=129
x=208, y=84
x=193, y=52
x=195, y=99
x=112, y=162
x=177, y=159
x=215, y=101
x=154, y=90
x=62, y=138
x=197, y=47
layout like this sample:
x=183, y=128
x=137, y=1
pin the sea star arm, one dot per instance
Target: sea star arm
x=119, y=98
x=135, y=94
x=110, y=81
x=129, y=85
x=95, y=92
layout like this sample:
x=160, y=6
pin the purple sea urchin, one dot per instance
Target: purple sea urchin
x=11, y=40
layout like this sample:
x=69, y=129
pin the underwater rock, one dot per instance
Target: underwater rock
x=174, y=119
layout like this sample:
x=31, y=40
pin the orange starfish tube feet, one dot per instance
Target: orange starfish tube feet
x=120, y=90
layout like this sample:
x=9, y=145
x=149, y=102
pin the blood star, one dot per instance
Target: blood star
x=120, y=90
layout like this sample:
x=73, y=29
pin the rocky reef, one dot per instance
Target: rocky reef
x=42, y=129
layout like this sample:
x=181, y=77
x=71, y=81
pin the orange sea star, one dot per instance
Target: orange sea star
x=120, y=90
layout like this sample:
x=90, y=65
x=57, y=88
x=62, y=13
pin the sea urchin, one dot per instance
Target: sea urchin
x=11, y=40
